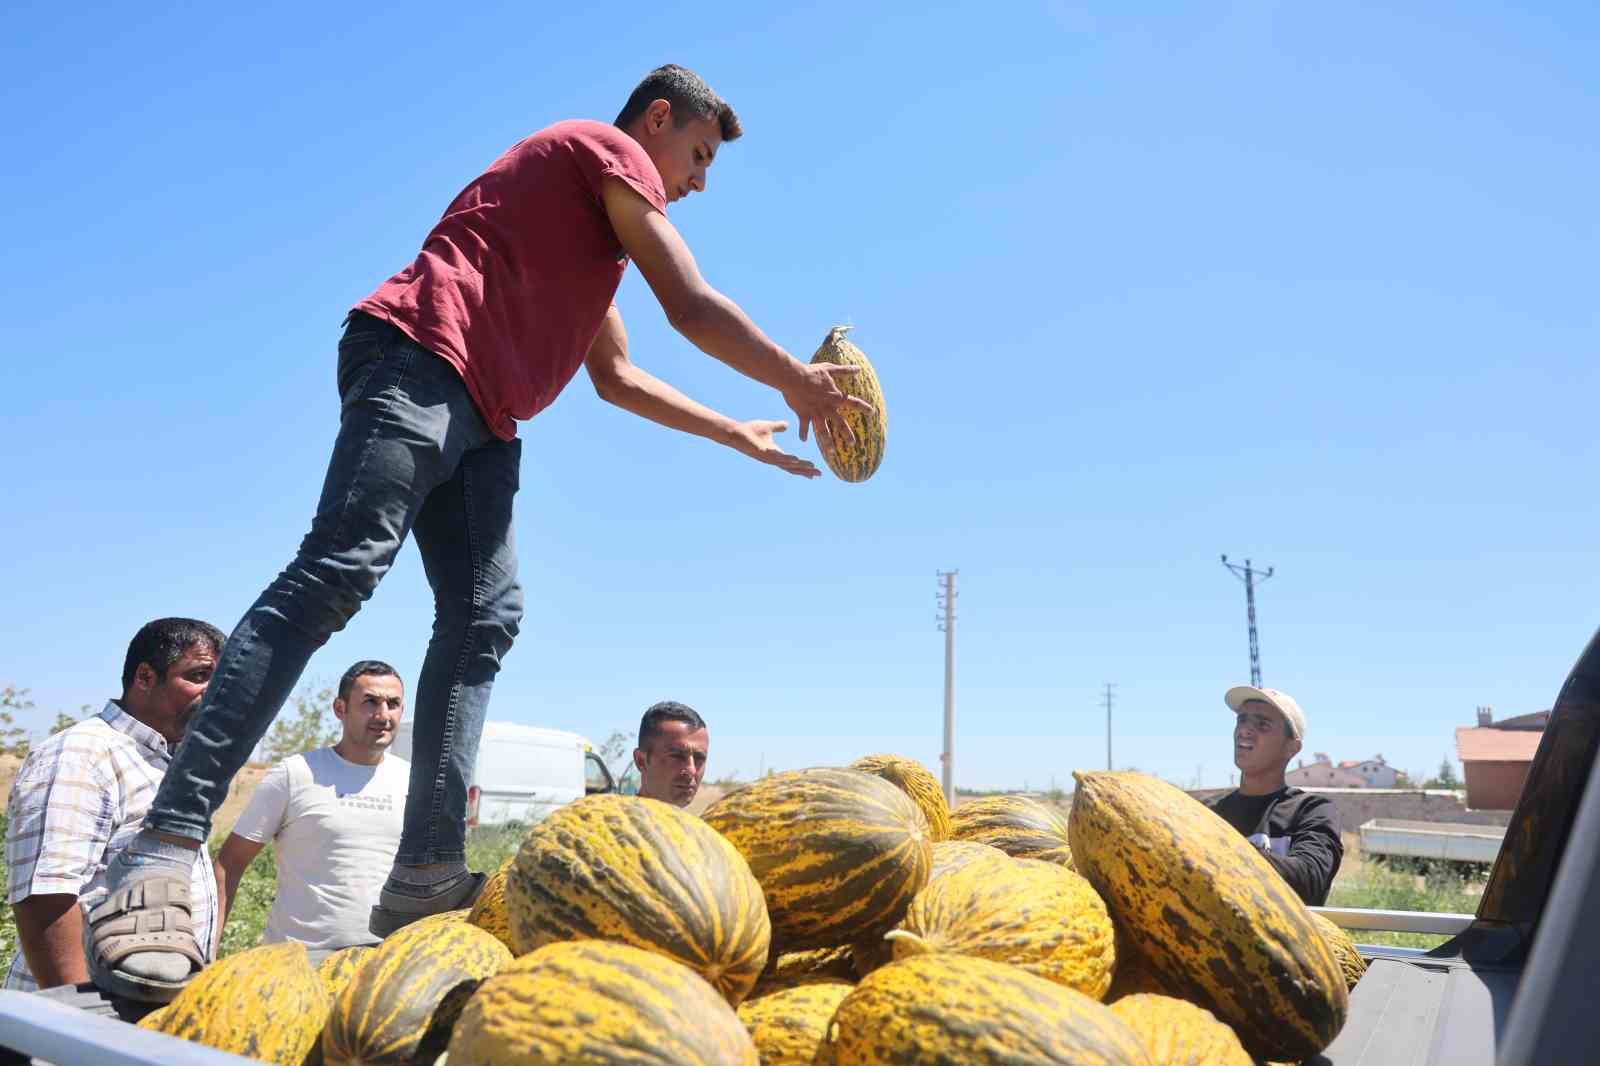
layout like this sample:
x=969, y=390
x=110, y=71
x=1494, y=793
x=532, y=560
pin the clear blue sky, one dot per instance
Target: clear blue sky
x=1315, y=287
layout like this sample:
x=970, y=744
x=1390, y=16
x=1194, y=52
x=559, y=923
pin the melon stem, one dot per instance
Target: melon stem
x=915, y=945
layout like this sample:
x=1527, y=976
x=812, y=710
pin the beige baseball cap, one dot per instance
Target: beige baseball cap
x=1239, y=695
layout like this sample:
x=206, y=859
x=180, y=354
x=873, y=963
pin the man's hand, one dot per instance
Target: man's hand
x=755, y=440
x=818, y=398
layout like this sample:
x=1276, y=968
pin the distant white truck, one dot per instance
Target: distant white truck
x=524, y=772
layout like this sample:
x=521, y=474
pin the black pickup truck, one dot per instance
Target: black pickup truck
x=1514, y=986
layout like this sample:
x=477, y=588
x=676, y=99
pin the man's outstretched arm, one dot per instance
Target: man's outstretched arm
x=620, y=382
x=715, y=324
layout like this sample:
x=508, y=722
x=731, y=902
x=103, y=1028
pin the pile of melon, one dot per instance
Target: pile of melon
x=842, y=917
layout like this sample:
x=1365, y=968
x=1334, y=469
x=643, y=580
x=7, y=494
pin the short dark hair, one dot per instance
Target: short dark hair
x=364, y=668
x=667, y=711
x=163, y=642
x=689, y=96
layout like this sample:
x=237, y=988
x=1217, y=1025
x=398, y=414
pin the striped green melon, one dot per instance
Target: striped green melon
x=489, y=911
x=1133, y=974
x=788, y=1026
x=916, y=781
x=1351, y=964
x=1178, y=1032
x=818, y=966
x=858, y=461
x=338, y=968
x=934, y=1010
x=1210, y=914
x=154, y=1020
x=1034, y=915
x=948, y=855
x=401, y=1003
x=641, y=872
x=839, y=853
x=595, y=1001
x=266, y=1003
x=1022, y=827
x=951, y=855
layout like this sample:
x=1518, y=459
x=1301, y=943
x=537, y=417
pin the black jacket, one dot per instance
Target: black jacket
x=1296, y=831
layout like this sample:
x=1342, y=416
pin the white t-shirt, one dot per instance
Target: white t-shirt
x=336, y=825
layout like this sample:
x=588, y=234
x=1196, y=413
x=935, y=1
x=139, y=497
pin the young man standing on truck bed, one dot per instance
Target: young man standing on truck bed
x=671, y=756
x=333, y=816
x=1296, y=831
x=510, y=294
x=81, y=795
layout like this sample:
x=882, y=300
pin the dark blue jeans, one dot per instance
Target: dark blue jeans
x=413, y=456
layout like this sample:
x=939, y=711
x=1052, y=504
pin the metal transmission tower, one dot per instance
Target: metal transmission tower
x=946, y=599
x=1250, y=578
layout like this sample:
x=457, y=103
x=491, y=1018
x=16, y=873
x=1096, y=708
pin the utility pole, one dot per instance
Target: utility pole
x=1109, y=699
x=1250, y=578
x=946, y=599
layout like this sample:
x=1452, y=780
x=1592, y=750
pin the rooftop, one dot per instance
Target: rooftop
x=1488, y=744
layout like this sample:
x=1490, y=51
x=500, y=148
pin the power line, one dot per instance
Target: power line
x=1250, y=578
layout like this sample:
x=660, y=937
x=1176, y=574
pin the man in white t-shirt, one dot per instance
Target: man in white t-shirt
x=334, y=816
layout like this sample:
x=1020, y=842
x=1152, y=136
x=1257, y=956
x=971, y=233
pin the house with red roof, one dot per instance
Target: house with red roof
x=1495, y=757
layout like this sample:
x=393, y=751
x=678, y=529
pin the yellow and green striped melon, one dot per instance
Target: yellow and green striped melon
x=266, y=1003
x=1022, y=827
x=1211, y=915
x=401, y=1003
x=1351, y=964
x=916, y=781
x=1178, y=1032
x=788, y=1026
x=596, y=1001
x=948, y=855
x=817, y=966
x=338, y=968
x=838, y=853
x=933, y=1010
x=489, y=910
x=951, y=855
x=154, y=1020
x=1034, y=915
x=641, y=872
x=858, y=461
x=1133, y=974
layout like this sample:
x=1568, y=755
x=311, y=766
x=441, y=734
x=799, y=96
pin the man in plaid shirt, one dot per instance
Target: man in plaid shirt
x=81, y=796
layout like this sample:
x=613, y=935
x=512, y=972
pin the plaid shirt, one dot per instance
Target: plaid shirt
x=78, y=799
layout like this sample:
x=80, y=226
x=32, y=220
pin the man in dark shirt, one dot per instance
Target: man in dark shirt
x=1296, y=831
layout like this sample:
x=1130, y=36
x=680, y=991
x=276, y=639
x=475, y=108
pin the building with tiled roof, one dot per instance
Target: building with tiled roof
x=1495, y=757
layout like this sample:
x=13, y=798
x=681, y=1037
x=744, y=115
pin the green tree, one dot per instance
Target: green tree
x=66, y=721
x=1447, y=777
x=13, y=738
x=310, y=725
x=617, y=752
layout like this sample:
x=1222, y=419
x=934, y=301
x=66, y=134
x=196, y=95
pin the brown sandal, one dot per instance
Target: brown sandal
x=153, y=914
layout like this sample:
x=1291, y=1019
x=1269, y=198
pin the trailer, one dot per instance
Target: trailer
x=1448, y=841
x=1512, y=987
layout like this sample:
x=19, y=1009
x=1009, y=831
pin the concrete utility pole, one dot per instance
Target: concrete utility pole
x=1109, y=699
x=1250, y=577
x=946, y=598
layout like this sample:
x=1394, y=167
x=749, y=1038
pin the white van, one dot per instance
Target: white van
x=524, y=772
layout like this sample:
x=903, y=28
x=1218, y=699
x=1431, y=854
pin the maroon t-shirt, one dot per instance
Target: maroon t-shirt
x=512, y=284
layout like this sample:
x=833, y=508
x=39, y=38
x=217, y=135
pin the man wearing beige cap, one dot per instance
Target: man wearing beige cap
x=1296, y=831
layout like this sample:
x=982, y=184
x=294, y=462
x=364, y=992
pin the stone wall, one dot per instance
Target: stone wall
x=1358, y=805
